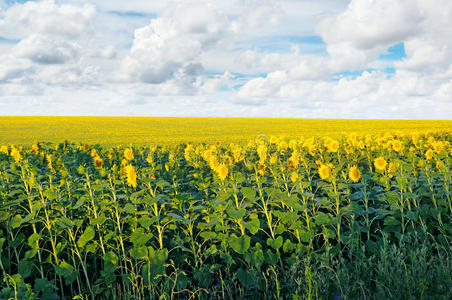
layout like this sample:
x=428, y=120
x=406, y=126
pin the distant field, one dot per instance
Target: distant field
x=147, y=130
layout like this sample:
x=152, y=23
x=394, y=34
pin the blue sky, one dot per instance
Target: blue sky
x=256, y=58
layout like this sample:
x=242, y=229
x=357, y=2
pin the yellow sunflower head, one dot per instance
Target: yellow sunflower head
x=429, y=154
x=354, y=173
x=294, y=177
x=391, y=167
x=16, y=155
x=222, y=171
x=380, y=163
x=333, y=146
x=4, y=149
x=324, y=172
x=98, y=162
x=397, y=146
x=128, y=154
x=131, y=176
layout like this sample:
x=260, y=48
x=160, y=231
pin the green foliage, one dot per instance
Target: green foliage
x=70, y=229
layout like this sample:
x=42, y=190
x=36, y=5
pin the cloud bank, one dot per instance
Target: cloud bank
x=285, y=58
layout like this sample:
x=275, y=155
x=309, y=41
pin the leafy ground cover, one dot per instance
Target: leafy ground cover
x=356, y=217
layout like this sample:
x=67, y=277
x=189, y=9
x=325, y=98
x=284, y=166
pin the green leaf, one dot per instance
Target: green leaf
x=156, y=264
x=392, y=198
x=25, y=267
x=248, y=193
x=275, y=243
x=46, y=287
x=98, y=221
x=236, y=213
x=16, y=221
x=239, y=244
x=139, y=252
x=139, y=237
x=271, y=258
x=64, y=269
x=146, y=221
x=87, y=236
x=33, y=238
x=129, y=208
x=64, y=223
x=111, y=258
x=322, y=218
x=258, y=257
x=252, y=225
x=245, y=278
x=391, y=221
x=305, y=236
x=79, y=203
x=3, y=216
x=49, y=194
x=288, y=246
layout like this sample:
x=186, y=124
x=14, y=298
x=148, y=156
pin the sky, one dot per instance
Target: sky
x=377, y=59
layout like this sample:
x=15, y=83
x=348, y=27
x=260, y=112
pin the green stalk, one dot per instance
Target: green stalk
x=91, y=196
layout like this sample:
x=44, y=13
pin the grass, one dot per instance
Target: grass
x=148, y=130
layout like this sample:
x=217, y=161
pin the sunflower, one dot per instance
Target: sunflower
x=98, y=162
x=35, y=148
x=261, y=169
x=262, y=152
x=237, y=154
x=397, y=146
x=324, y=172
x=222, y=171
x=227, y=159
x=131, y=176
x=354, y=173
x=294, y=177
x=438, y=146
x=4, y=149
x=94, y=153
x=333, y=146
x=273, y=159
x=439, y=165
x=391, y=167
x=429, y=154
x=282, y=146
x=16, y=155
x=188, y=152
x=128, y=154
x=380, y=163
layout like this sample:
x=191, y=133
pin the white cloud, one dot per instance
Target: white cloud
x=169, y=48
x=13, y=68
x=183, y=57
x=264, y=87
x=211, y=85
x=367, y=28
x=43, y=49
x=46, y=17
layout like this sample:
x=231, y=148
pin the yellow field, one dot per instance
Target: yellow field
x=148, y=130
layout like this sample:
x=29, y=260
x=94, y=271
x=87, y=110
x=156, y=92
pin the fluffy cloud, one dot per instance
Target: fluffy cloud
x=56, y=44
x=229, y=58
x=43, y=49
x=169, y=47
x=46, y=17
x=13, y=69
x=368, y=27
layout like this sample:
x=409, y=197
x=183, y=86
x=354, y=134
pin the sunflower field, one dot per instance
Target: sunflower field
x=350, y=217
